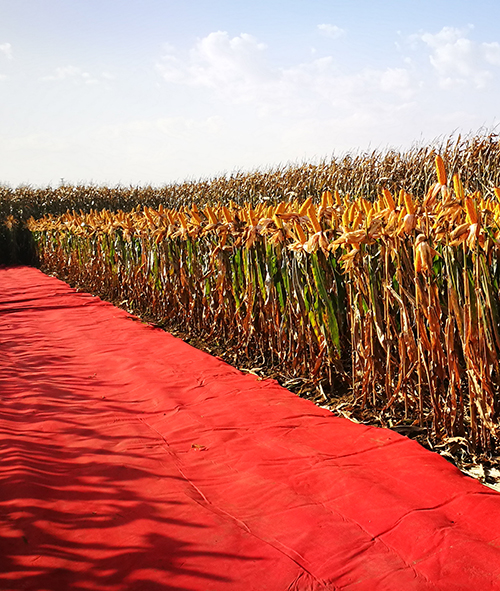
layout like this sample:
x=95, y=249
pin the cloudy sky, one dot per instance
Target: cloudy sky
x=158, y=91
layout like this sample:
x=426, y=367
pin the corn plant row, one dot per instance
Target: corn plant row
x=477, y=158
x=399, y=296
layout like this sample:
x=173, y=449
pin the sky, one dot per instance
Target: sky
x=139, y=92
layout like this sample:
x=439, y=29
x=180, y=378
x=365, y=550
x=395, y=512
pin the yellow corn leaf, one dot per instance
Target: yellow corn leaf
x=351, y=237
x=409, y=222
x=424, y=254
x=459, y=231
x=422, y=333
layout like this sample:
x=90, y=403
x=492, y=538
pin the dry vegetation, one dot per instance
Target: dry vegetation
x=476, y=158
x=375, y=277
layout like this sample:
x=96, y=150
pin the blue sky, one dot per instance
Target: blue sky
x=158, y=91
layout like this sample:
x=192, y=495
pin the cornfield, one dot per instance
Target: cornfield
x=397, y=296
x=477, y=158
x=330, y=272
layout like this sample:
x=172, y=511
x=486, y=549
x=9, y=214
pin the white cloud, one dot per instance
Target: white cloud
x=398, y=81
x=178, y=126
x=218, y=61
x=71, y=73
x=458, y=60
x=331, y=31
x=226, y=104
x=309, y=107
x=492, y=53
x=238, y=72
x=6, y=49
x=37, y=142
x=173, y=127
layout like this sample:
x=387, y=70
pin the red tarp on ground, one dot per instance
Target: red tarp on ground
x=132, y=461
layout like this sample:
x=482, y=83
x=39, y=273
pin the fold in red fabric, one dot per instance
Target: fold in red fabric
x=132, y=461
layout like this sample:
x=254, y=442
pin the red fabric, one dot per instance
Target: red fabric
x=131, y=461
